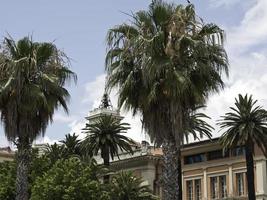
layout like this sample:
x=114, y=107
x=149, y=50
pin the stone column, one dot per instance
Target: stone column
x=205, y=184
x=261, y=177
x=231, y=189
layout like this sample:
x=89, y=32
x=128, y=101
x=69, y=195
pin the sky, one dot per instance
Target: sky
x=79, y=29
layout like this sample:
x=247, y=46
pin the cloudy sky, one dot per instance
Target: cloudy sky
x=79, y=28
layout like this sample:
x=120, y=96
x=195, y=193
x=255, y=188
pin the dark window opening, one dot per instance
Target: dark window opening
x=218, y=154
x=194, y=158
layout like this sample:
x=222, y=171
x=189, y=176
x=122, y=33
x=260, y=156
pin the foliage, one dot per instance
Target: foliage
x=55, y=152
x=165, y=63
x=106, y=133
x=68, y=179
x=125, y=186
x=7, y=183
x=33, y=76
x=71, y=145
x=32, y=80
x=245, y=124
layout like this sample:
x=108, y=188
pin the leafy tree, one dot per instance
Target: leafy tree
x=68, y=179
x=245, y=125
x=105, y=135
x=165, y=63
x=125, y=186
x=32, y=77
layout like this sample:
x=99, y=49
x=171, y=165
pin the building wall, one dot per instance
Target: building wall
x=213, y=172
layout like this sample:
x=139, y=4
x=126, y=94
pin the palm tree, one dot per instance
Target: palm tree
x=71, y=145
x=165, y=63
x=245, y=125
x=125, y=186
x=105, y=135
x=32, y=79
x=55, y=152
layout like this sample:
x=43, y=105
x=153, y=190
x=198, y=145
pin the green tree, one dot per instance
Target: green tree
x=32, y=77
x=71, y=145
x=69, y=179
x=165, y=63
x=245, y=125
x=105, y=136
x=125, y=186
x=55, y=152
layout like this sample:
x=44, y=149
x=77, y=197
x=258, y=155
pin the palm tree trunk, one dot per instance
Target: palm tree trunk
x=179, y=169
x=250, y=171
x=170, y=174
x=105, y=156
x=23, y=160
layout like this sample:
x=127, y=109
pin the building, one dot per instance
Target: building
x=6, y=154
x=208, y=173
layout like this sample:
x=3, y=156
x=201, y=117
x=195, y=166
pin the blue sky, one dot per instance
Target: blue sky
x=79, y=28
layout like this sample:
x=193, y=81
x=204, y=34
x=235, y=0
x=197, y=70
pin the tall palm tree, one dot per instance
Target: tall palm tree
x=32, y=79
x=166, y=62
x=105, y=135
x=125, y=186
x=245, y=125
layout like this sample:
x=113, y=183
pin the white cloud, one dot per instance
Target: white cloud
x=247, y=50
x=45, y=140
x=226, y=3
x=252, y=30
x=62, y=118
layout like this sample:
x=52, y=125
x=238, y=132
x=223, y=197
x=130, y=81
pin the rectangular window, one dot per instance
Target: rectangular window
x=218, y=187
x=239, y=151
x=214, y=188
x=240, y=184
x=218, y=154
x=189, y=188
x=194, y=158
x=198, y=189
x=223, y=186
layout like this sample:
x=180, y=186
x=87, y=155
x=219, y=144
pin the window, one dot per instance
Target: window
x=193, y=189
x=214, y=188
x=218, y=187
x=197, y=189
x=189, y=186
x=218, y=154
x=223, y=187
x=238, y=151
x=240, y=184
x=194, y=158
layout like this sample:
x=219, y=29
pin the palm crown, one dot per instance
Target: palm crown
x=32, y=82
x=165, y=63
x=245, y=124
x=105, y=135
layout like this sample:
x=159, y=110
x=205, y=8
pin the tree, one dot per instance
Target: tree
x=55, y=152
x=32, y=77
x=125, y=186
x=245, y=125
x=105, y=135
x=165, y=63
x=69, y=179
x=71, y=145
